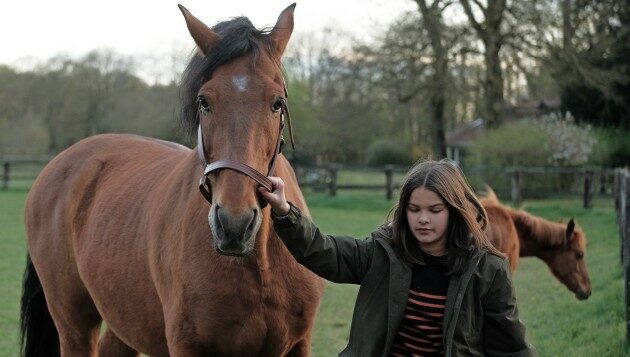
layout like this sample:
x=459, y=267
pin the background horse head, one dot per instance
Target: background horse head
x=561, y=247
x=566, y=259
x=234, y=96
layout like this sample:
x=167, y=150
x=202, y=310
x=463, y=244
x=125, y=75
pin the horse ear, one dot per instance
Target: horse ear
x=282, y=30
x=204, y=37
x=491, y=195
x=570, y=229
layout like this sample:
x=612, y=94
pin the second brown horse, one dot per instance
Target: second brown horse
x=520, y=234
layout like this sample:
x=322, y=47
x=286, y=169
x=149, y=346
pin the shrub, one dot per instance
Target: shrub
x=387, y=152
x=612, y=148
x=522, y=143
x=549, y=141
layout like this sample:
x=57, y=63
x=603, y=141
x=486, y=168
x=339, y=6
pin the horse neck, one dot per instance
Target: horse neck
x=536, y=234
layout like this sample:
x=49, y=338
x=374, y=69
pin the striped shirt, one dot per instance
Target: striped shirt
x=420, y=331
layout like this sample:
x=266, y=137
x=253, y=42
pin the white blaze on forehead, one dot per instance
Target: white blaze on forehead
x=240, y=82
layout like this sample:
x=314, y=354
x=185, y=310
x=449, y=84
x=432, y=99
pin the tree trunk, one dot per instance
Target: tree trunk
x=437, y=121
x=493, y=82
x=433, y=24
x=490, y=33
x=438, y=102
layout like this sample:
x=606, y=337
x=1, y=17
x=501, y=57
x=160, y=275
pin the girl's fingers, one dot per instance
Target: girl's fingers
x=276, y=181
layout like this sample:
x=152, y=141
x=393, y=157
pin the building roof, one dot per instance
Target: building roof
x=464, y=134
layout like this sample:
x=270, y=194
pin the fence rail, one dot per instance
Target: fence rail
x=20, y=169
x=514, y=182
x=622, y=207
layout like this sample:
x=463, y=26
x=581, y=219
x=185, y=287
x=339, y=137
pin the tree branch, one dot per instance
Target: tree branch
x=471, y=17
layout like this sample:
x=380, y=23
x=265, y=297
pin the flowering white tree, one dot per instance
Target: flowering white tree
x=570, y=144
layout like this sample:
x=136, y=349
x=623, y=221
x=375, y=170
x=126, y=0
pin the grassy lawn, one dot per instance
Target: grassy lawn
x=12, y=260
x=558, y=324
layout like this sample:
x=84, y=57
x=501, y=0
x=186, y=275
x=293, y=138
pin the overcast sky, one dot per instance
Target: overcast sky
x=39, y=29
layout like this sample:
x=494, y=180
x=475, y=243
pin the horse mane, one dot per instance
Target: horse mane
x=237, y=37
x=529, y=227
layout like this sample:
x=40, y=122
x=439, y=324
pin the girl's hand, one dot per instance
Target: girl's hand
x=276, y=199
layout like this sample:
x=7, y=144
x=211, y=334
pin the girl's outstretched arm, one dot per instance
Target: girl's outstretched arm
x=340, y=259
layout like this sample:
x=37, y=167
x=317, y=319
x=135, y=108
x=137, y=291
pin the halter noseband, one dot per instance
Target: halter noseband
x=204, y=182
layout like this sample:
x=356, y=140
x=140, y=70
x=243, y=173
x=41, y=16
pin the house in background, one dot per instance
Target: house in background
x=462, y=137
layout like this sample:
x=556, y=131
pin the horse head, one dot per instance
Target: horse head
x=234, y=96
x=568, y=264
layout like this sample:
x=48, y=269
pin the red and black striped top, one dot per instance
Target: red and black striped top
x=420, y=331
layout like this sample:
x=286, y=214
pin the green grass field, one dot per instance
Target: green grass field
x=557, y=323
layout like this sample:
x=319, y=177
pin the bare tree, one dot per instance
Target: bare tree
x=434, y=25
x=489, y=31
x=98, y=72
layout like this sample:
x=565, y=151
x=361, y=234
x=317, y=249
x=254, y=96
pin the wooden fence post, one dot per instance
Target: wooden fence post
x=333, y=180
x=588, y=189
x=625, y=228
x=624, y=204
x=602, y=182
x=5, y=175
x=389, y=181
x=620, y=207
x=516, y=187
x=616, y=192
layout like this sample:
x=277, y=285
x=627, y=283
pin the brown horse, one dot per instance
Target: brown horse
x=520, y=234
x=118, y=231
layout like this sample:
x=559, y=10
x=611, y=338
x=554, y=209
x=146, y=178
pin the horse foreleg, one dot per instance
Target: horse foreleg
x=77, y=321
x=78, y=342
x=301, y=349
x=112, y=346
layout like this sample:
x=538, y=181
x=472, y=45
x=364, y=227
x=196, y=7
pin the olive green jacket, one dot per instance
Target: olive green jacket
x=481, y=317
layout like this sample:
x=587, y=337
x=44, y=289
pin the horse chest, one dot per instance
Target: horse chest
x=256, y=312
x=265, y=326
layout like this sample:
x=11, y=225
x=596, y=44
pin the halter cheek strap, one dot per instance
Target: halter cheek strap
x=209, y=168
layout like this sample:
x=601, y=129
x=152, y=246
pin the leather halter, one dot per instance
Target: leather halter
x=204, y=182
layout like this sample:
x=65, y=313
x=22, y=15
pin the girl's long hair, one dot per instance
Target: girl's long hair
x=467, y=217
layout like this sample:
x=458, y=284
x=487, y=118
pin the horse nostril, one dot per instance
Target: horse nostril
x=217, y=217
x=252, y=222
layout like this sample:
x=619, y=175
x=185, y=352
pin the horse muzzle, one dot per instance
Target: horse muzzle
x=583, y=294
x=234, y=235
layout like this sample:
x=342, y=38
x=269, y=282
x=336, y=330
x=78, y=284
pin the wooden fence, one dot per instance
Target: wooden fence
x=515, y=182
x=622, y=207
x=328, y=179
x=593, y=180
x=20, y=169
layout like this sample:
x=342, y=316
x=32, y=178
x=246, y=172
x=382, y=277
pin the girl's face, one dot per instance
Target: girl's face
x=427, y=215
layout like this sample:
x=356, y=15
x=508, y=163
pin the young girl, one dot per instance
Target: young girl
x=431, y=283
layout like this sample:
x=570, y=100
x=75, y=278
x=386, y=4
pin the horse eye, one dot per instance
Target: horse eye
x=277, y=105
x=204, y=106
x=579, y=255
